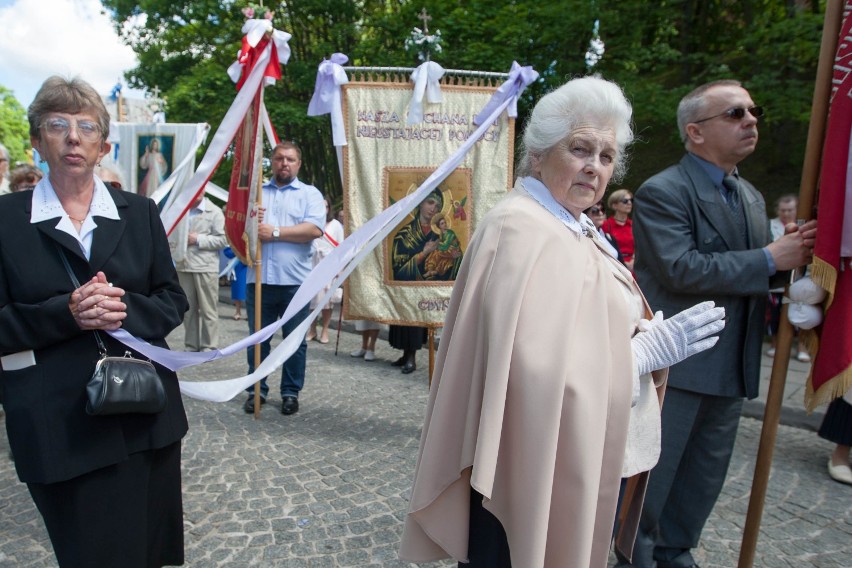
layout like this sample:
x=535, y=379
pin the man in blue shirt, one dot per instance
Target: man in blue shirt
x=292, y=216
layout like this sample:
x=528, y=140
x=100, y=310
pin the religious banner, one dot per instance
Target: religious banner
x=831, y=372
x=148, y=154
x=241, y=192
x=408, y=280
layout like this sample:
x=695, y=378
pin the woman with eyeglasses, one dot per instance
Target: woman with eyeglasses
x=619, y=226
x=107, y=487
x=523, y=446
x=597, y=213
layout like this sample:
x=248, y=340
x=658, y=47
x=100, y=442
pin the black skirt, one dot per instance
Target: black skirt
x=406, y=337
x=129, y=514
x=837, y=424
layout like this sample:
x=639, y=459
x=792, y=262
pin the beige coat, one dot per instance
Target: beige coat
x=530, y=398
x=203, y=256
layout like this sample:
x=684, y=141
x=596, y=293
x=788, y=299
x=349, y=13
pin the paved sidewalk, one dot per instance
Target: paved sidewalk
x=329, y=486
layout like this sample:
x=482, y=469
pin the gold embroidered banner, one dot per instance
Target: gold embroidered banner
x=408, y=280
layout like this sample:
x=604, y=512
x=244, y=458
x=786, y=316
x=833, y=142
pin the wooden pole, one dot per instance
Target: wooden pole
x=258, y=298
x=807, y=191
x=431, y=353
x=258, y=258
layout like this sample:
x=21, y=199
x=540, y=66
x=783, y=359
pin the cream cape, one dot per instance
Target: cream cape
x=531, y=396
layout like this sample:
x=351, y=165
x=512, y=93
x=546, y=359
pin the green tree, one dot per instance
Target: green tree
x=14, y=128
x=657, y=51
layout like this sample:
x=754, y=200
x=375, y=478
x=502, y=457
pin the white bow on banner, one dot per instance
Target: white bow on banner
x=329, y=273
x=230, y=123
x=327, y=98
x=254, y=30
x=427, y=80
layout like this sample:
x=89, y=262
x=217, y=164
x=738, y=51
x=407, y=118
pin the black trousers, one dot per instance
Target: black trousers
x=129, y=514
x=487, y=544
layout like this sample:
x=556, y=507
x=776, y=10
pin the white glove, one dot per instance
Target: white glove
x=662, y=343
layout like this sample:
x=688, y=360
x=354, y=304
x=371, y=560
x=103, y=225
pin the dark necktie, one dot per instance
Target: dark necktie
x=732, y=185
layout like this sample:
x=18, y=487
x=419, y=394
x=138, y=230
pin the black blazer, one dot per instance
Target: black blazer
x=52, y=437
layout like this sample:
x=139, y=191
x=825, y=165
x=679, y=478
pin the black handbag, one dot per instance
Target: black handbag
x=121, y=385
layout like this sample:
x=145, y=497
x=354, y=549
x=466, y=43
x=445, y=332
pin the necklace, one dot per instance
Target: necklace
x=81, y=221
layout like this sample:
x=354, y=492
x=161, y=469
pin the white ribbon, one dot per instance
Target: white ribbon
x=517, y=76
x=427, y=80
x=222, y=139
x=327, y=97
x=254, y=31
x=330, y=273
x=201, y=131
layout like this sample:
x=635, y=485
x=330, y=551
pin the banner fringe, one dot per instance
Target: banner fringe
x=834, y=388
x=824, y=275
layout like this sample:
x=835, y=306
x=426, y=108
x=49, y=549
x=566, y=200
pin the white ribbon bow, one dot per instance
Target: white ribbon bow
x=327, y=97
x=254, y=30
x=519, y=78
x=427, y=80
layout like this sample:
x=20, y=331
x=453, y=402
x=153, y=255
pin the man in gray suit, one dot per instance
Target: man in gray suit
x=702, y=233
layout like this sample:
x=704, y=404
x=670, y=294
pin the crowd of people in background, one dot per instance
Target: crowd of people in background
x=464, y=505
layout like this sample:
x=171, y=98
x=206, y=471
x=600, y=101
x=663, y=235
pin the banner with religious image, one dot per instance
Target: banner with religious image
x=409, y=279
x=148, y=154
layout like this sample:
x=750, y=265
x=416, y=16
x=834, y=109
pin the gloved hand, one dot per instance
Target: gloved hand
x=662, y=343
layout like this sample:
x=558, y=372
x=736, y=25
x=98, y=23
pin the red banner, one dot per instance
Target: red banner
x=831, y=374
x=240, y=188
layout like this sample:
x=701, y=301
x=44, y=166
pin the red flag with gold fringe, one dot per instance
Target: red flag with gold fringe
x=831, y=373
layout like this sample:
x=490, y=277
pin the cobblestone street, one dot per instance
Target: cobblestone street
x=328, y=486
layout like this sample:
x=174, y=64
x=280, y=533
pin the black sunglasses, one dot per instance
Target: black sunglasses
x=737, y=113
x=596, y=210
x=627, y=200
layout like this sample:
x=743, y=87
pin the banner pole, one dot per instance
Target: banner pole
x=258, y=289
x=807, y=191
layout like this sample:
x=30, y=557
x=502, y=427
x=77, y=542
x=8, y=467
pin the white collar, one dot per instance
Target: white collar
x=539, y=192
x=46, y=204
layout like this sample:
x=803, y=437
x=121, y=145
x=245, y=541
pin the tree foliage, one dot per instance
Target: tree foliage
x=14, y=128
x=657, y=51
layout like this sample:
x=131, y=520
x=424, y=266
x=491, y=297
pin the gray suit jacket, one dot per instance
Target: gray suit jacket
x=688, y=249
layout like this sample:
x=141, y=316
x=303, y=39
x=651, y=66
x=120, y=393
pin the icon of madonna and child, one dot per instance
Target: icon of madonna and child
x=429, y=245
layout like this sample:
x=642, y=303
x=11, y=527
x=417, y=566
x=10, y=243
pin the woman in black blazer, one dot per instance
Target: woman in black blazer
x=108, y=487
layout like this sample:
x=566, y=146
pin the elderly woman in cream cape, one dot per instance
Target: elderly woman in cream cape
x=544, y=344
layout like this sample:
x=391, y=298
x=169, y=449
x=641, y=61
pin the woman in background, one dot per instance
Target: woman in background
x=620, y=226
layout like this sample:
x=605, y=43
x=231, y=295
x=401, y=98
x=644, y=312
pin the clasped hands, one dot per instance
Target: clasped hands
x=97, y=305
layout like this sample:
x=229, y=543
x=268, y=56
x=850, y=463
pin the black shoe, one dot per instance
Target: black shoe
x=399, y=362
x=249, y=404
x=409, y=367
x=289, y=405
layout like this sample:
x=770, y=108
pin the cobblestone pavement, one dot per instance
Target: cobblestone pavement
x=328, y=486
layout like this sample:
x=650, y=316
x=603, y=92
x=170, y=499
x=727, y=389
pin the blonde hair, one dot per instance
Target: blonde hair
x=617, y=196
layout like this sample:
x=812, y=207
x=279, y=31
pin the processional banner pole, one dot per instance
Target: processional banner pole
x=780, y=364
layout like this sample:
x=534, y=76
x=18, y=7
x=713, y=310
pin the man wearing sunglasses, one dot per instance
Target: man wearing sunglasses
x=702, y=233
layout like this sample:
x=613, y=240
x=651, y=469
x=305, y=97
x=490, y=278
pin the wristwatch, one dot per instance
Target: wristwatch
x=276, y=232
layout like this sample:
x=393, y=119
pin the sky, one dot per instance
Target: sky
x=40, y=38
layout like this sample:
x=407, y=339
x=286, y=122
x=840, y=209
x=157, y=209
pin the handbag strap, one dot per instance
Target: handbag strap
x=76, y=283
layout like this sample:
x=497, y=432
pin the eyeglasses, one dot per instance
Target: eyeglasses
x=60, y=128
x=736, y=113
x=627, y=200
x=596, y=210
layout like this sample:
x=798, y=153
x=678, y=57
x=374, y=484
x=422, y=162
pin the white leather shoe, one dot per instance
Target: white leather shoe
x=370, y=356
x=841, y=473
x=358, y=353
